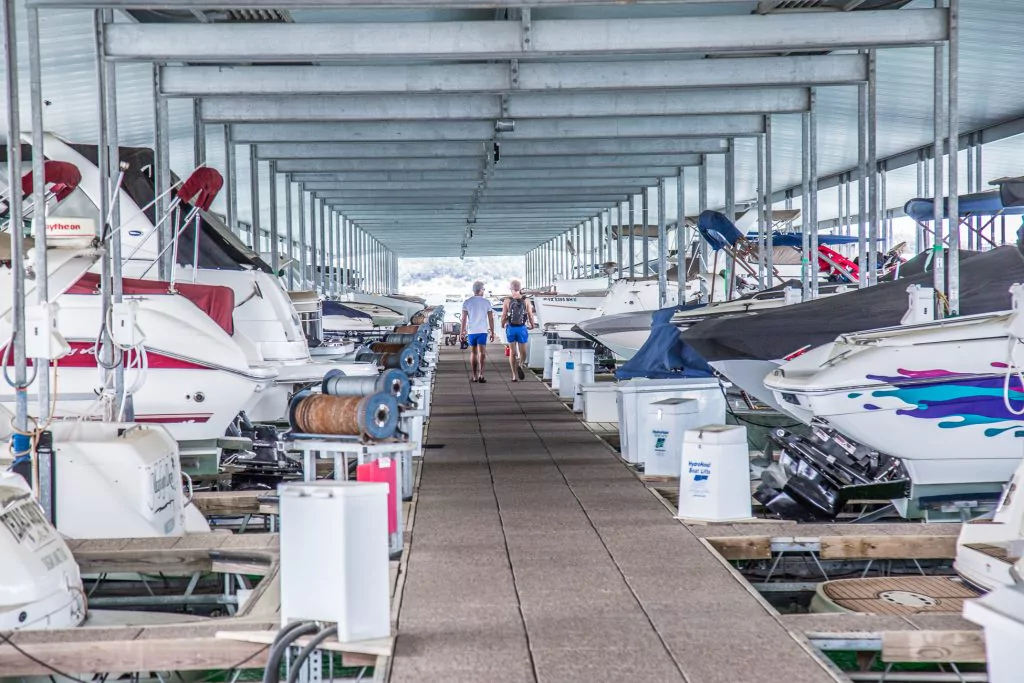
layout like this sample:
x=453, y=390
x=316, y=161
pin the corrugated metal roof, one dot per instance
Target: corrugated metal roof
x=990, y=62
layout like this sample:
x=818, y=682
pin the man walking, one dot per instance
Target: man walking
x=517, y=319
x=477, y=329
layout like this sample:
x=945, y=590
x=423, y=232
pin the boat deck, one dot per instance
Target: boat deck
x=536, y=555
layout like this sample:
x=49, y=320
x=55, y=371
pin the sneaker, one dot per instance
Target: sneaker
x=482, y=380
x=519, y=372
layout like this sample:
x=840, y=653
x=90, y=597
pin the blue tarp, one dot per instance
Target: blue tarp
x=335, y=308
x=717, y=230
x=977, y=204
x=795, y=239
x=665, y=355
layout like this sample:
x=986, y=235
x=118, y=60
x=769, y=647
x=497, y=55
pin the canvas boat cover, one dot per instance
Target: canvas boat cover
x=339, y=309
x=665, y=355
x=976, y=204
x=218, y=246
x=985, y=280
x=213, y=300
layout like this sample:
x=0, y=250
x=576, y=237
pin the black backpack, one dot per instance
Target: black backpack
x=517, y=312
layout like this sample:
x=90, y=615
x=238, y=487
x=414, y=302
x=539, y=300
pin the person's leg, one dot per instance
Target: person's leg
x=521, y=360
x=483, y=358
x=512, y=359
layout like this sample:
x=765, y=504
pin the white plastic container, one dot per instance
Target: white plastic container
x=556, y=369
x=344, y=582
x=599, y=402
x=536, y=351
x=661, y=438
x=549, y=357
x=571, y=358
x=1001, y=613
x=715, y=482
x=635, y=395
x=583, y=375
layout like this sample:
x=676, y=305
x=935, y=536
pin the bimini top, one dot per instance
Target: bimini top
x=214, y=300
x=977, y=204
x=720, y=232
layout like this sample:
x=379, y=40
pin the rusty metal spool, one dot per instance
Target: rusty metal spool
x=373, y=417
x=407, y=359
x=407, y=329
x=391, y=382
x=386, y=347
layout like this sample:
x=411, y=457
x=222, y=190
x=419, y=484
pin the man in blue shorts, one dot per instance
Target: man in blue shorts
x=477, y=329
x=517, y=319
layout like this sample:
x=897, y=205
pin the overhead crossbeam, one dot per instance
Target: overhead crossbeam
x=531, y=129
x=284, y=108
x=620, y=174
x=483, y=40
x=234, y=81
x=538, y=165
x=473, y=150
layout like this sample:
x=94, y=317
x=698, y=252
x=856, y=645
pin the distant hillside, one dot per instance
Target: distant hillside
x=434, y=278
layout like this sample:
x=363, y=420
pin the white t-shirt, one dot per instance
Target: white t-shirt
x=476, y=309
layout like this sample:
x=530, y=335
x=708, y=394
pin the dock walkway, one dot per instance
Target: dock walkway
x=537, y=556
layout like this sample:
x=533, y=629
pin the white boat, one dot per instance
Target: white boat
x=945, y=396
x=386, y=311
x=186, y=371
x=266, y=327
x=987, y=546
x=40, y=584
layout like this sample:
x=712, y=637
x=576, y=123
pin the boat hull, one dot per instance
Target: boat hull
x=931, y=395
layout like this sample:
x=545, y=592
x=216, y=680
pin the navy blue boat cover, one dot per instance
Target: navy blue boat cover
x=976, y=204
x=665, y=355
x=335, y=308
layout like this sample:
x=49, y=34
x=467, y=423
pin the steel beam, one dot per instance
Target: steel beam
x=272, y=108
x=536, y=164
x=481, y=40
x=495, y=184
x=474, y=150
x=531, y=129
x=338, y=4
x=208, y=81
x=620, y=173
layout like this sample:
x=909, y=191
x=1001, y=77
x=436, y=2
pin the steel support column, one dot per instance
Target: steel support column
x=769, y=222
x=952, y=142
x=162, y=177
x=682, y=237
x=645, y=201
x=812, y=198
x=938, y=132
x=231, y=178
x=662, y=250
x=873, y=203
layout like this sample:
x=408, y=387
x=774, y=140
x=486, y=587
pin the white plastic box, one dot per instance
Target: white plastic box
x=570, y=358
x=599, y=402
x=635, y=395
x=334, y=556
x=583, y=375
x=661, y=439
x=1001, y=613
x=536, y=351
x=715, y=482
x=556, y=369
x=549, y=359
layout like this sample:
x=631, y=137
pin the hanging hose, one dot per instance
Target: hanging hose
x=391, y=382
x=1011, y=371
x=373, y=417
x=312, y=645
x=282, y=641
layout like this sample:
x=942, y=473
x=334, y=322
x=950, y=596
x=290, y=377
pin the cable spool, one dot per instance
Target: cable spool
x=391, y=382
x=386, y=347
x=403, y=339
x=374, y=416
x=407, y=329
x=407, y=359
